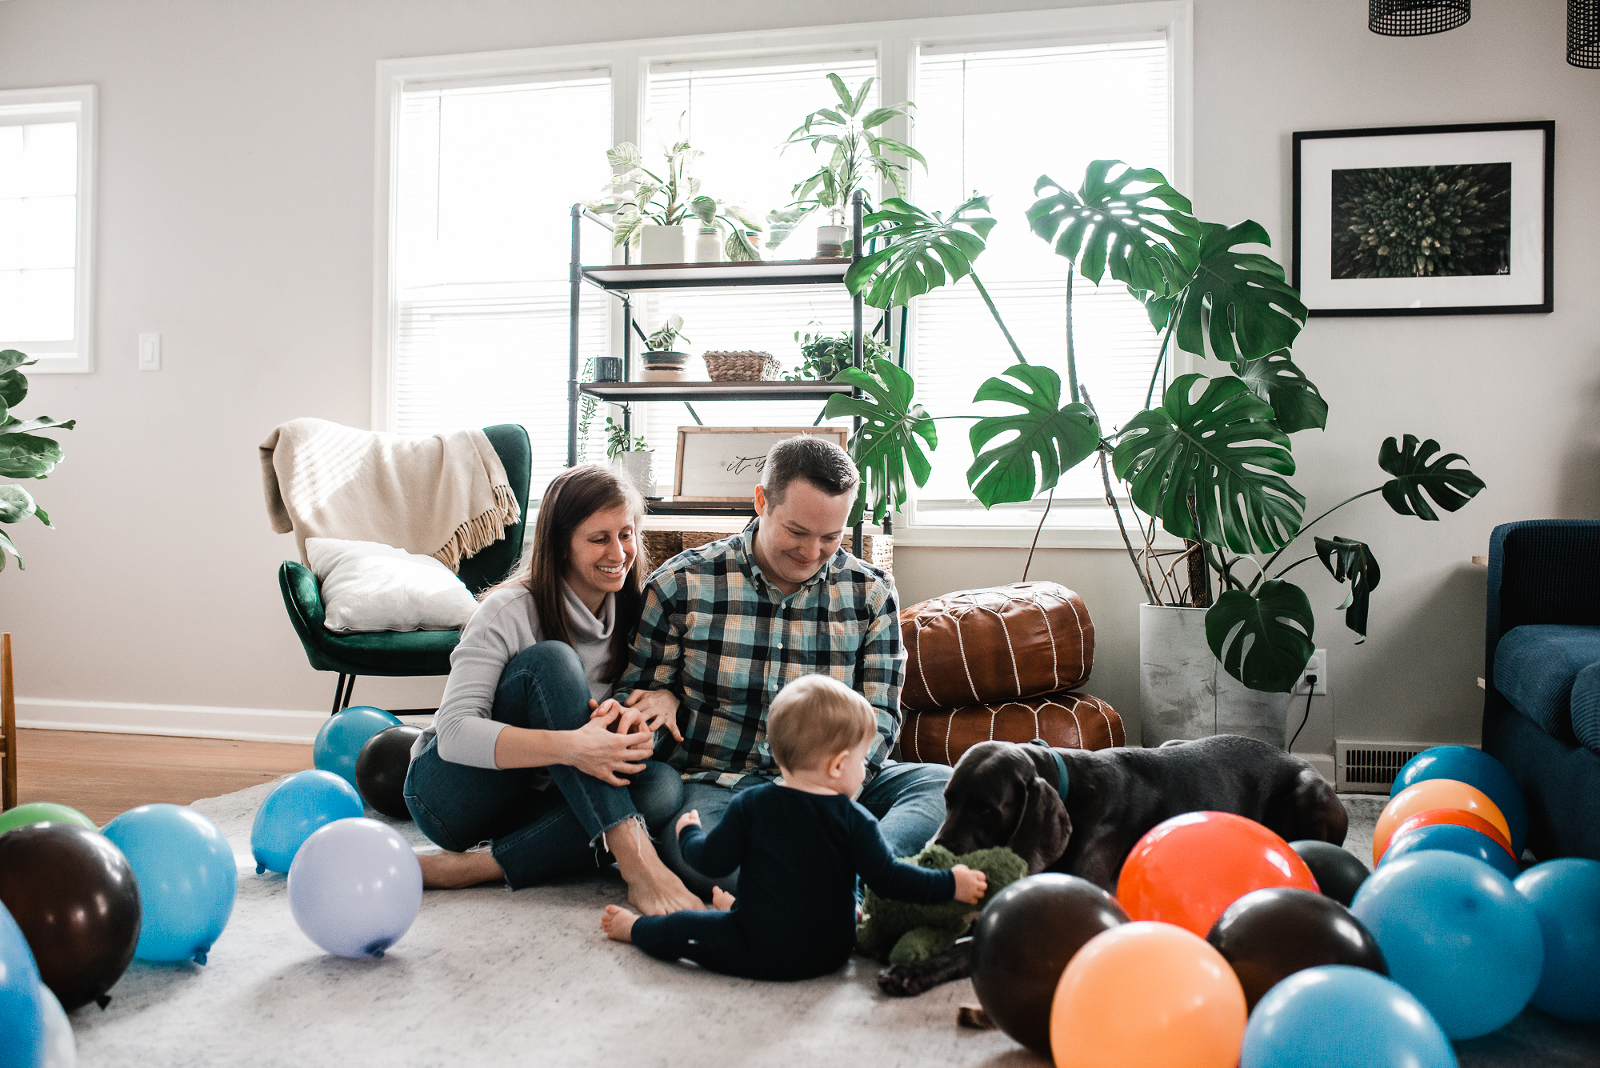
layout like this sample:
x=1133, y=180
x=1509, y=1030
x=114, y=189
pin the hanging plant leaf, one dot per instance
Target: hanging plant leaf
x=10, y=358
x=1346, y=558
x=922, y=251
x=886, y=445
x=13, y=425
x=1225, y=450
x=1296, y=402
x=1450, y=487
x=1050, y=438
x=13, y=388
x=1238, y=300
x=1146, y=238
x=7, y=546
x=16, y=504
x=27, y=456
x=1263, y=641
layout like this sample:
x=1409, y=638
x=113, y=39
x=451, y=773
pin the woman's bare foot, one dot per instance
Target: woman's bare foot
x=453, y=871
x=721, y=899
x=653, y=888
x=618, y=923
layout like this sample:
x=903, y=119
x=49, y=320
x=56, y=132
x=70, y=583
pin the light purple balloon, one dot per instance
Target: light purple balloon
x=355, y=887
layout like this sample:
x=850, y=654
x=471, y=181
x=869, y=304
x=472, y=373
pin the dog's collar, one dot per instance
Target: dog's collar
x=1061, y=768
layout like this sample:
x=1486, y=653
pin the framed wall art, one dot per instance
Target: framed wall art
x=1425, y=220
x=724, y=463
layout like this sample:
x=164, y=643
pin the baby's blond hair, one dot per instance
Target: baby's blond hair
x=815, y=718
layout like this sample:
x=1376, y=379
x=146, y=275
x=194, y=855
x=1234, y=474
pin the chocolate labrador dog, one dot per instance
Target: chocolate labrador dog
x=1002, y=793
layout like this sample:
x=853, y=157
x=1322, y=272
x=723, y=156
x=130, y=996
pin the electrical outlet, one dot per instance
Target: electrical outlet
x=1318, y=666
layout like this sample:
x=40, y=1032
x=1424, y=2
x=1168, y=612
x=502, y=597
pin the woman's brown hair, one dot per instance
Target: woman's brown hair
x=572, y=497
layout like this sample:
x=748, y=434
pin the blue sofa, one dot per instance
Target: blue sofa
x=1541, y=713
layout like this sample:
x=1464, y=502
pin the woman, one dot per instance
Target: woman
x=527, y=751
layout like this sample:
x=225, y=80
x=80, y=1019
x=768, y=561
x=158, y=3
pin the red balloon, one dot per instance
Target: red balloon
x=1188, y=870
x=1452, y=815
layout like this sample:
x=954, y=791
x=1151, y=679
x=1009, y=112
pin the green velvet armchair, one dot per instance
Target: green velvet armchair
x=417, y=652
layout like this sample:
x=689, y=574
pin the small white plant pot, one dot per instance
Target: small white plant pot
x=830, y=241
x=640, y=469
x=662, y=244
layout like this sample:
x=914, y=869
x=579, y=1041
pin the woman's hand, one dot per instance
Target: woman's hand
x=628, y=720
x=659, y=708
x=598, y=752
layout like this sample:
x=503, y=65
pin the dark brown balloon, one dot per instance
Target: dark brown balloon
x=1339, y=872
x=381, y=770
x=1268, y=935
x=1022, y=943
x=74, y=895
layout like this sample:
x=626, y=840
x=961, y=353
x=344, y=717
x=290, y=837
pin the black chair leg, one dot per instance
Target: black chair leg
x=342, y=692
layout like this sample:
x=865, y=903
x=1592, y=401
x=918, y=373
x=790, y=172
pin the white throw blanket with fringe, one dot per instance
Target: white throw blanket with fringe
x=445, y=496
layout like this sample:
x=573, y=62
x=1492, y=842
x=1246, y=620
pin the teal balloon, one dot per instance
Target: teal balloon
x=1475, y=768
x=1336, y=1016
x=1565, y=894
x=187, y=879
x=22, y=1020
x=296, y=807
x=1456, y=839
x=340, y=740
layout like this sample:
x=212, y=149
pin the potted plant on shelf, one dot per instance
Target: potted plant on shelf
x=631, y=455
x=662, y=360
x=740, y=224
x=824, y=355
x=649, y=208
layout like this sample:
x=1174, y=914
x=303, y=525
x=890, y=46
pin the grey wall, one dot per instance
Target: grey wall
x=235, y=217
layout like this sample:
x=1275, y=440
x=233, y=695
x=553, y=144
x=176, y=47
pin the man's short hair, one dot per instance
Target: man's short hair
x=814, y=719
x=817, y=460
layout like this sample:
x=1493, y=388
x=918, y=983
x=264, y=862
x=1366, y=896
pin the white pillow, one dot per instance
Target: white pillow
x=369, y=586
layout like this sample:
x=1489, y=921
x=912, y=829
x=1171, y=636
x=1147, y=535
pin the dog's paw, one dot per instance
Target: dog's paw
x=903, y=981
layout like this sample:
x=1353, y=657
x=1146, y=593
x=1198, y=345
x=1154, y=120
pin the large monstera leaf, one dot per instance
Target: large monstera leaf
x=1225, y=451
x=1146, y=237
x=1263, y=640
x=921, y=250
x=1050, y=438
x=1296, y=402
x=1346, y=558
x=886, y=446
x=1450, y=487
x=1238, y=300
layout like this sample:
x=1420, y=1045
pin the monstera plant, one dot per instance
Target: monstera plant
x=24, y=452
x=1209, y=459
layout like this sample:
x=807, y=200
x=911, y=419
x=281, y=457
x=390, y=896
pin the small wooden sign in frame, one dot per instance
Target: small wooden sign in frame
x=724, y=463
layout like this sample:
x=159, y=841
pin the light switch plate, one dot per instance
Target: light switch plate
x=149, y=352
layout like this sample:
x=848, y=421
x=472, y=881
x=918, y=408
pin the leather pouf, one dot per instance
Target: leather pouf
x=1065, y=720
x=1005, y=643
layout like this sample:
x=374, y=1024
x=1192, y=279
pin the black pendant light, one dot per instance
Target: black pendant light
x=1583, y=33
x=1412, y=18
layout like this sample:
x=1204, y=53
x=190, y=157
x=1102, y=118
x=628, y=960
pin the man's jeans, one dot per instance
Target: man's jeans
x=908, y=800
x=536, y=833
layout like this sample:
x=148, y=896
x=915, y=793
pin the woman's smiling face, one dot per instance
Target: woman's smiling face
x=601, y=554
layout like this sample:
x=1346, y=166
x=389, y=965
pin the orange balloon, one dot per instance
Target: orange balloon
x=1189, y=869
x=1452, y=815
x=1147, y=995
x=1428, y=795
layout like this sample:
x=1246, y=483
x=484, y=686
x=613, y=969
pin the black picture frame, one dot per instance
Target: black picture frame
x=1342, y=275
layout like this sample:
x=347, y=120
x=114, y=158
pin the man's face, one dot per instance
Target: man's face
x=799, y=533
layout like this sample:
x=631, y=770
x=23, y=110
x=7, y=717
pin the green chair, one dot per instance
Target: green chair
x=407, y=653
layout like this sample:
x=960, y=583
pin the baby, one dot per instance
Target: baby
x=799, y=844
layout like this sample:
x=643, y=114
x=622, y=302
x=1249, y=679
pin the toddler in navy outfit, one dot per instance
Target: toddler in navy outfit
x=799, y=844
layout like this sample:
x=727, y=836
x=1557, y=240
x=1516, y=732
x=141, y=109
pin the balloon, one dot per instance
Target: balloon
x=1339, y=872
x=1147, y=995
x=22, y=1019
x=1022, y=942
x=187, y=879
x=1268, y=935
x=41, y=811
x=1431, y=794
x=297, y=806
x=355, y=887
x=60, y=1046
x=1191, y=867
x=1476, y=768
x=381, y=769
x=1336, y=1016
x=1457, y=935
x=74, y=895
x=340, y=740
x=1460, y=818
x=1565, y=895
x=1456, y=839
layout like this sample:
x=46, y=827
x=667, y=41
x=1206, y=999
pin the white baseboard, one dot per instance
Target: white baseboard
x=187, y=721
x=1322, y=762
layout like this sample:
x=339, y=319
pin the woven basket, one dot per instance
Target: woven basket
x=742, y=366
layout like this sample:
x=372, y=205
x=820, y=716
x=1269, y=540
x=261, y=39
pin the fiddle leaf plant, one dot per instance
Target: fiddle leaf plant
x=885, y=448
x=24, y=452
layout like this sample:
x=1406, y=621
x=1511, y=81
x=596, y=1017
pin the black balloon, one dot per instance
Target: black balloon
x=1339, y=872
x=381, y=770
x=74, y=895
x=1268, y=935
x=1022, y=943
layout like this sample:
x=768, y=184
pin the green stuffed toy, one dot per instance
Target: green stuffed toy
x=901, y=932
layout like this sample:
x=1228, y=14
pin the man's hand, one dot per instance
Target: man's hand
x=970, y=885
x=594, y=750
x=659, y=708
x=685, y=820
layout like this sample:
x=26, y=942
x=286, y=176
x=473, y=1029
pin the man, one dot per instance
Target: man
x=725, y=626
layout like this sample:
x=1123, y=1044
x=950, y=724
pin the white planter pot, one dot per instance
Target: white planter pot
x=640, y=469
x=830, y=240
x=1185, y=693
x=661, y=244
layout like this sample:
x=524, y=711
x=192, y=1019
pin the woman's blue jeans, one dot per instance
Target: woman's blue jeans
x=536, y=833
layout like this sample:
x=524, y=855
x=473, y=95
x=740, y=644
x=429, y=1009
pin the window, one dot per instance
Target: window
x=46, y=195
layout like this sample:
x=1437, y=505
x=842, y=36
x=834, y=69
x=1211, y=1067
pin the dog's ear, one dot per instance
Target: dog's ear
x=1043, y=828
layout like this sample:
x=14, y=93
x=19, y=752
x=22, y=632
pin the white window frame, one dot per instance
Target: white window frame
x=76, y=102
x=896, y=44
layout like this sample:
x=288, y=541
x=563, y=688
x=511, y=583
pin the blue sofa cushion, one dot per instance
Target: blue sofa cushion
x=1586, y=707
x=1535, y=666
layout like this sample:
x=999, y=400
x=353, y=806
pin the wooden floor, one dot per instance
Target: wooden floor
x=102, y=775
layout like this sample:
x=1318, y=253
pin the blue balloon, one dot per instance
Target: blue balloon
x=295, y=808
x=1457, y=935
x=1475, y=768
x=340, y=740
x=187, y=879
x=355, y=887
x=1336, y=1016
x=1456, y=839
x=1565, y=894
x=22, y=1021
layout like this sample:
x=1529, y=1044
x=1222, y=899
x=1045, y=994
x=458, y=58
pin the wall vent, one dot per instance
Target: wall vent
x=1370, y=767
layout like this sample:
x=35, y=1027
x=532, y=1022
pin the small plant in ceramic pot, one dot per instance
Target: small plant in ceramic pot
x=662, y=358
x=649, y=208
x=631, y=454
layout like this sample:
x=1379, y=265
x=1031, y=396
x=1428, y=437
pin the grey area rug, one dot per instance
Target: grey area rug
x=487, y=977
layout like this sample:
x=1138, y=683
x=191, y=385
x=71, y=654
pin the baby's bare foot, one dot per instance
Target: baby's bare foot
x=618, y=923
x=721, y=899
